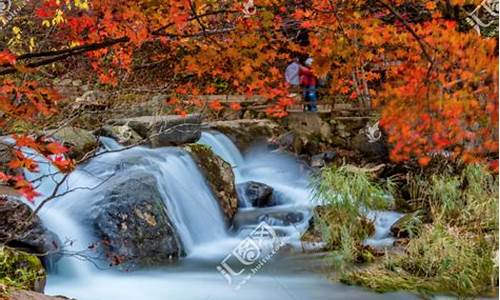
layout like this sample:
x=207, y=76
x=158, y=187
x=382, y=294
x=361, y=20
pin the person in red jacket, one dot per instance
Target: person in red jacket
x=309, y=83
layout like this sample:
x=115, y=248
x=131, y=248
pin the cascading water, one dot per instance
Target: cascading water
x=290, y=181
x=196, y=217
x=288, y=177
x=194, y=211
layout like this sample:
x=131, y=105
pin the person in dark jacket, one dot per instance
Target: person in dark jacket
x=309, y=83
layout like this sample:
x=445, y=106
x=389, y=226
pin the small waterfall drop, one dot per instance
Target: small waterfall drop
x=288, y=177
x=190, y=203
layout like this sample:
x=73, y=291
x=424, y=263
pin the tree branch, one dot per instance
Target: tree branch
x=408, y=27
x=58, y=55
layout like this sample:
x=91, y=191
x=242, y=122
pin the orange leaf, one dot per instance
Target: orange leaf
x=431, y=5
x=215, y=105
x=235, y=106
x=424, y=161
x=56, y=148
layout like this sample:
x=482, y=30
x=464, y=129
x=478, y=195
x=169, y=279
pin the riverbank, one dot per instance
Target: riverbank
x=171, y=198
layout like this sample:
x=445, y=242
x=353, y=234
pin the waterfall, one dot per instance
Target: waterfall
x=224, y=148
x=191, y=206
x=110, y=144
x=193, y=211
x=288, y=177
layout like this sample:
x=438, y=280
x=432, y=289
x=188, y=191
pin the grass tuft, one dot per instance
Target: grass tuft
x=455, y=252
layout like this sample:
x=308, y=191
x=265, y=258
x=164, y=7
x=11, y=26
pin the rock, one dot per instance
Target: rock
x=308, y=134
x=16, y=294
x=93, y=100
x=85, y=87
x=5, y=157
x=154, y=107
x=66, y=81
x=244, y=132
x=282, y=218
x=19, y=230
x=133, y=224
x=310, y=125
x=79, y=141
x=255, y=193
x=372, y=150
x=320, y=160
x=171, y=130
x=274, y=218
x=408, y=226
x=219, y=176
x=124, y=135
x=22, y=268
x=284, y=141
x=317, y=161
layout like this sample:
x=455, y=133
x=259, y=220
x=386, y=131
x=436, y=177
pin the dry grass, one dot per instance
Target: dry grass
x=455, y=253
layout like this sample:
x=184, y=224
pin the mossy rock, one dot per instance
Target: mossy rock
x=122, y=134
x=219, y=176
x=21, y=270
x=79, y=141
x=133, y=223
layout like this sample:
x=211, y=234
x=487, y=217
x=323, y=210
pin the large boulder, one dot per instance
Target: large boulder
x=219, y=176
x=244, y=132
x=154, y=107
x=307, y=134
x=22, y=230
x=171, y=130
x=310, y=125
x=133, y=224
x=124, y=135
x=344, y=130
x=79, y=141
x=255, y=194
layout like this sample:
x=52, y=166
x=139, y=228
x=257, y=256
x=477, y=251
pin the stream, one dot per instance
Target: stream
x=198, y=220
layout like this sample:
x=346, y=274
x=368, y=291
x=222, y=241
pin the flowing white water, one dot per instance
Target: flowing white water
x=197, y=219
x=383, y=220
x=288, y=177
x=190, y=203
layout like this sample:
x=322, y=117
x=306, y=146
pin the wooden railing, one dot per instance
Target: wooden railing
x=324, y=105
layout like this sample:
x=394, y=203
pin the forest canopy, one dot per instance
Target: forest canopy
x=431, y=74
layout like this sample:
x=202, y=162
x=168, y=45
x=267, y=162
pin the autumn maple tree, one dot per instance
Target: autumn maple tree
x=432, y=77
